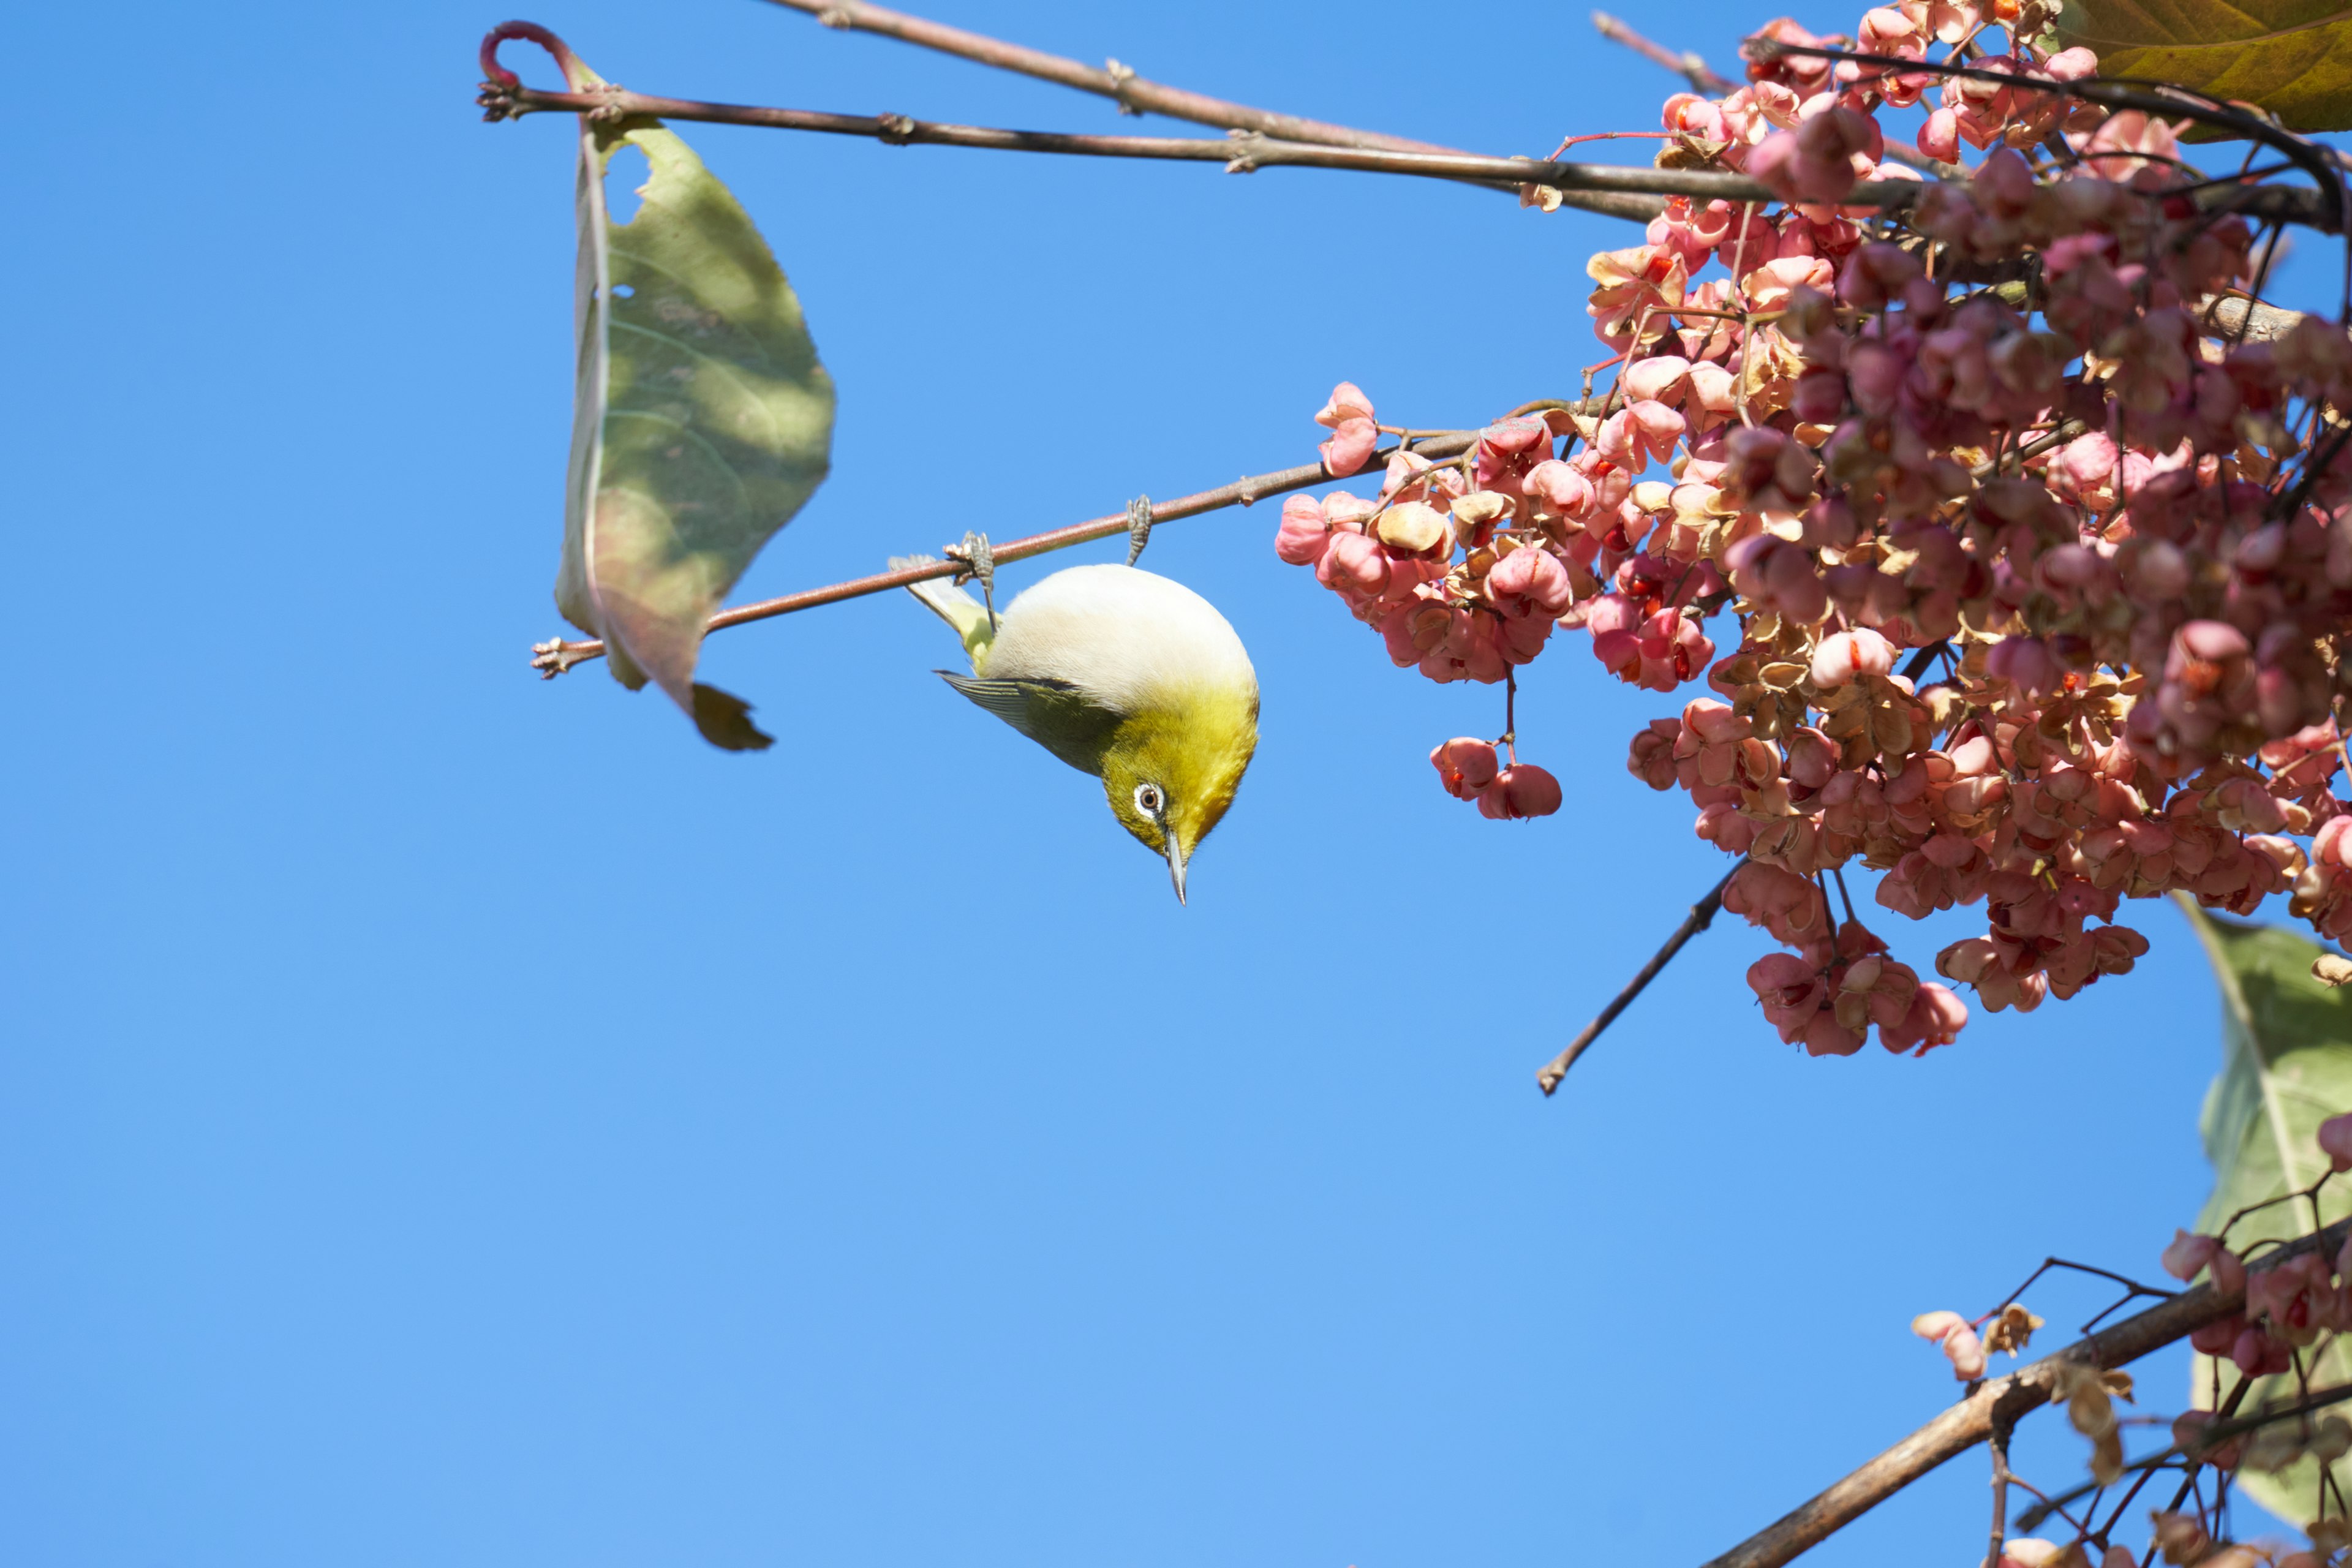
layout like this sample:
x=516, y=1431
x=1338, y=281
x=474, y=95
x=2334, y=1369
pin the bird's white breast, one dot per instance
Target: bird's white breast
x=1128, y=638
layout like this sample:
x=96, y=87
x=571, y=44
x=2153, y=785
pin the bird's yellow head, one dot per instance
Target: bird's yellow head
x=1170, y=772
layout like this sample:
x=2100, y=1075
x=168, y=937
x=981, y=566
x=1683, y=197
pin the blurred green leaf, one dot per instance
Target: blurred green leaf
x=2286, y=1066
x=701, y=420
x=2291, y=57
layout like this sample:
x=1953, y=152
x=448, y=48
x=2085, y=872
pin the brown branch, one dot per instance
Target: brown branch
x=1971, y=1421
x=1242, y=153
x=2248, y=320
x=1687, y=65
x=1702, y=914
x=1135, y=94
x=555, y=656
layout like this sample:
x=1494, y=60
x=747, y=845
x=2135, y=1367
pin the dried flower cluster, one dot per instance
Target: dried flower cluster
x=2037, y=578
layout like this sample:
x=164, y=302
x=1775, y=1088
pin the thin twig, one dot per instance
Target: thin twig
x=2205, y=1441
x=1970, y=1422
x=2000, y=1479
x=1687, y=65
x=1133, y=93
x=552, y=657
x=1702, y=914
x=1242, y=152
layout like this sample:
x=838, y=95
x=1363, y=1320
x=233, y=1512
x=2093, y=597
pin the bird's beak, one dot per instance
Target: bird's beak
x=1176, y=858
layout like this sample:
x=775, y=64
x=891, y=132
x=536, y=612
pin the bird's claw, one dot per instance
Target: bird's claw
x=975, y=560
x=1139, y=528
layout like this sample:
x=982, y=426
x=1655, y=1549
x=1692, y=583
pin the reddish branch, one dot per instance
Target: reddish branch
x=2002, y=1401
x=552, y=657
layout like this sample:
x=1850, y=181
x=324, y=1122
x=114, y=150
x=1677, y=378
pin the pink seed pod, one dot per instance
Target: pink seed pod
x=2336, y=1141
x=1518, y=792
x=1347, y=402
x=1465, y=766
x=2188, y=1254
x=1353, y=563
x=1843, y=656
x=1303, y=536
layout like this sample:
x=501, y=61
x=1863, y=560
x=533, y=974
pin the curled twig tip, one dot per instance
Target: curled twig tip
x=575, y=74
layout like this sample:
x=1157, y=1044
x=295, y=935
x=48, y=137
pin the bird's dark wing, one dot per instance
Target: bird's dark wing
x=1054, y=713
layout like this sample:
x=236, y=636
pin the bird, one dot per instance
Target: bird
x=1123, y=674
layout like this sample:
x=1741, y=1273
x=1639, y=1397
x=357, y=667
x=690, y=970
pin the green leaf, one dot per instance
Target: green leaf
x=2293, y=58
x=701, y=420
x=2286, y=1066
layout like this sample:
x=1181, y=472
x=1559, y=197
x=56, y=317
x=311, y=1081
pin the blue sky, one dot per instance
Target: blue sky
x=448, y=1118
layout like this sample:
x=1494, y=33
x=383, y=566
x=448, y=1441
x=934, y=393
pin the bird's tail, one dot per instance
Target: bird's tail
x=967, y=615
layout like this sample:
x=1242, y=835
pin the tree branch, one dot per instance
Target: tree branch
x=1242, y=153
x=1135, y=94
x=1702, y=914
x=555, y=656
x=2211, y=1438
x=1971, y=1421
x=1614, y=189
x=1687, y=65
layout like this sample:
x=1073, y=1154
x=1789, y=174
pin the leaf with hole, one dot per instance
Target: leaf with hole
x=2286, y=1066
x=2294, y=60
x=701, y=419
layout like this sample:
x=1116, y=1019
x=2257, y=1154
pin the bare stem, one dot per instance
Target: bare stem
x=2205, y=1441
x=1242, y=153
x=1970, y=1421
x=552, y=657
x=1701, y=914
x=2000, y=1479
x=1687, y=65
x=1133, y=93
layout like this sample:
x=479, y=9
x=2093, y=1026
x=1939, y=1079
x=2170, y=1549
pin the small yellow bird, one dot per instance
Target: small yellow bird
x=1121, y=674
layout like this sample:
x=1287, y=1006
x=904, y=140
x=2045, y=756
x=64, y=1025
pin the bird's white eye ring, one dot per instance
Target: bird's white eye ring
x=1147, y=799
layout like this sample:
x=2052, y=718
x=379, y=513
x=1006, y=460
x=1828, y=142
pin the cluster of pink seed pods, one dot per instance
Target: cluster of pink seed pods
x=2037, y=574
